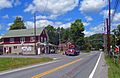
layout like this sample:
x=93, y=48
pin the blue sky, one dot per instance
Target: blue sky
x=59, y=13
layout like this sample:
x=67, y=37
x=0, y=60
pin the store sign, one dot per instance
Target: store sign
x=25, y=49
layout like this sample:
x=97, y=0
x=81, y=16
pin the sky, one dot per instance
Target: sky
x=58, y=13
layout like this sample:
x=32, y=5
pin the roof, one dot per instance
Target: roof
x=23, y=32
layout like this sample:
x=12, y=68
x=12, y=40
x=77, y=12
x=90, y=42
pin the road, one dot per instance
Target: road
x=66, y=67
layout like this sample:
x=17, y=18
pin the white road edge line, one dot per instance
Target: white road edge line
x=23, y=68
x=93, y=71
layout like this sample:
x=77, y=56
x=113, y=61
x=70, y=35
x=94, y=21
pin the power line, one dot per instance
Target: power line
x=115, y=9
x=45, y=7
x=116, y=6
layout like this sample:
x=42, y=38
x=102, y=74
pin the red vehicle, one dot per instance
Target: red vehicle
x=72, y=50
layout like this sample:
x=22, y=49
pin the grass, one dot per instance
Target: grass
x=11, y=63
x=113, y=69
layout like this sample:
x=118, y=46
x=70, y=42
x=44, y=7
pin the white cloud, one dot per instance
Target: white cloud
x=94, y=30
x=43, y=23
x=41, y=17
x=5, y=4
x=86, y=23
x=117, y=18
x=88, y=18
x=66, y=25
x=46, y=17
x=88, y=33
x=53, y=16
x=3, y=27
x=98, y=29
x=9, y=3
x=17, y=16
x=40, y=23
x=92, y=5
x=17, y=2
x=9, y=24
x=0, y=27
x=5, y=17
x=105, y=13
x=53, y=7
x=114, y=25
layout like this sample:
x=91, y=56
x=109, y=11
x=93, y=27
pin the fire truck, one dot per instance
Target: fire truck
x=72, y=50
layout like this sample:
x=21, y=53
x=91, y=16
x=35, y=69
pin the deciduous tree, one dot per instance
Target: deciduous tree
x=18, y=24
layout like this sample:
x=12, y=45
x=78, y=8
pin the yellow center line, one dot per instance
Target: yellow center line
x=54, y=69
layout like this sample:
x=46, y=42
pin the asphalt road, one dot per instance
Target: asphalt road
x=67, y=67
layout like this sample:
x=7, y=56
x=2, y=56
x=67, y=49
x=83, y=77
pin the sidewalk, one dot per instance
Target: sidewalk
x=102, y=69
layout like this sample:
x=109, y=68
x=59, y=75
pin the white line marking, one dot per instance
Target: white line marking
x=92, y=73
x=23, y=68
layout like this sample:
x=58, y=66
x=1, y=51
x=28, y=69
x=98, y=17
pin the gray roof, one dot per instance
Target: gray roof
x=23, y=32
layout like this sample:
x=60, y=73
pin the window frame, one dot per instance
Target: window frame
x=12, y=40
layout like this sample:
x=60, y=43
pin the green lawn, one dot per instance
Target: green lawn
x=10, y=63
x=113, y=69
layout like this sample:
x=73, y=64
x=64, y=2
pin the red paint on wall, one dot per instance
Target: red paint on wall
x=27, y=39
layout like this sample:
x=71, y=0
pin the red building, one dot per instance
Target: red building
x=64, y=46
x=24, y=41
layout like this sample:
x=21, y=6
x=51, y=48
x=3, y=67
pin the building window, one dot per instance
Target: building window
x=45, y=39
x=15, y=47
x=41, y=39
x=11, y=39
x=22, y=39
x=32, y=39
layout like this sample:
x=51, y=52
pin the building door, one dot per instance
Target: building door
x=4, y=50
x=9, y=49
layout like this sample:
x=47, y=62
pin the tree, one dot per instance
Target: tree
x=96, y=41
x=77, y=34
x=73, y=34
x=53, y=35
x=18, y=24
x=117, y=35
x=65, y=35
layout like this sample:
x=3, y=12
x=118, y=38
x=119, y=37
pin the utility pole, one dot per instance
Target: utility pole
x=35, y=33
x=60, y=39
x=104, y=36
x=108, y=36
x=108, y=22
